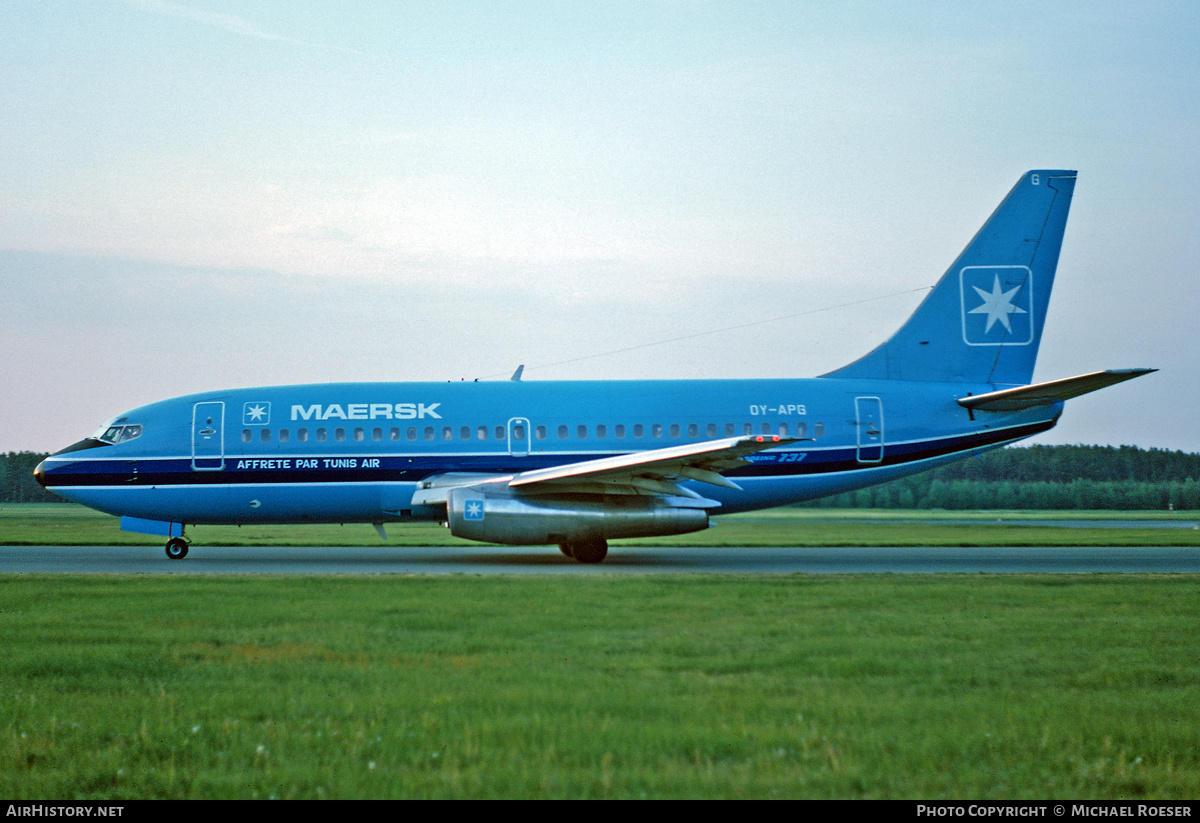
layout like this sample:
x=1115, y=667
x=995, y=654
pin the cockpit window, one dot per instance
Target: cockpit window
x=119, y=434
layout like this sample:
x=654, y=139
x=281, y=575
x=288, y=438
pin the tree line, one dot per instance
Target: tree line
x=1044, y=477
x=1029, y=477
x=16, y=479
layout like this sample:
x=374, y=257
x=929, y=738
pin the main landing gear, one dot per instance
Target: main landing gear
x=588, y=550
x=177, y=548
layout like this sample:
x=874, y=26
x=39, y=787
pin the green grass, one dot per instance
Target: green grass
x=463, y=686
x=715, y=686
x=54, y=524
x=70, y=525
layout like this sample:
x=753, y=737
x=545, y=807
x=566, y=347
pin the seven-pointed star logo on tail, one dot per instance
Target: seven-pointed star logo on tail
x=998, y=305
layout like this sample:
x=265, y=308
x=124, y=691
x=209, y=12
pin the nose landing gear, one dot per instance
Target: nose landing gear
x=177, y=548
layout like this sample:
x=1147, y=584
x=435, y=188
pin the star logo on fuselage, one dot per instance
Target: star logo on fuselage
x=256, y=413
x=998, y=305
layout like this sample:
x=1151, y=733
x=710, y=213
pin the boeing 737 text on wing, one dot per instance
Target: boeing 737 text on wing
x=579, y=463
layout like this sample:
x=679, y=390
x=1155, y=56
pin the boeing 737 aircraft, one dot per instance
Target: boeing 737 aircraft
x=580, y=463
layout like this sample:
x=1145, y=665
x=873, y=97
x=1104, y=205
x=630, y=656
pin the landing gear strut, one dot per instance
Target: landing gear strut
x=588, y=550
x=177, y=548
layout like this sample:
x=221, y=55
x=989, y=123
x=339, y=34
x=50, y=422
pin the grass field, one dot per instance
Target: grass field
x=873, y=686
x=55, y=524
x=845, y=687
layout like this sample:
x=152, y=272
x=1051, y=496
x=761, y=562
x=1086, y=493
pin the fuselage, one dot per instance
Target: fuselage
x=357, y=452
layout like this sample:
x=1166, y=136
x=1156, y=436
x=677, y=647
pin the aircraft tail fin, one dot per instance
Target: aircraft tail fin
x=982, y=322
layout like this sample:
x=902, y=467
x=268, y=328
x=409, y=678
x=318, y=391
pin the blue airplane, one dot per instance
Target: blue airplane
x=579, y=463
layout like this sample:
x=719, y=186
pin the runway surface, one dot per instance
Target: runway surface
x=621, y=560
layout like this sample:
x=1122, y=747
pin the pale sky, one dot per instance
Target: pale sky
x=200, y=195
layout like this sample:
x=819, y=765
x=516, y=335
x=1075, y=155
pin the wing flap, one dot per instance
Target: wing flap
x=1048, y=393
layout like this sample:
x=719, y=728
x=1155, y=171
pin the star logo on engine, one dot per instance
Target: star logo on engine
x=473, y=510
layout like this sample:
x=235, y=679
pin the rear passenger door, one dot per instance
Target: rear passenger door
x=869, y=414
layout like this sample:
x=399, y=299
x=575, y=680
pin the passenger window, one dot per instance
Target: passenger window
x=765, y=428
x=540, y=432
x=801, y=429
x=601, y=431
x=501, y=433
x=376, y=434
x=321, y=435
x=637, y=430
x=619, y=430
x=562, y=432
x=394, y=434
x=783, y=429
x=656, y=430
x=464, y=433
x=818, y=429
x=518, y=433
x=447, y=433
x=747, y=429
x=693, y=430
x=265, y=435
x=284, y=436
x=674, y=429
x=247, y=435
x=581, y=432
x=411, y=433
x=429, y=432
x=302, y=435
x=339, y=434
x=730, y=430
x=481, y=433
x=710, y=430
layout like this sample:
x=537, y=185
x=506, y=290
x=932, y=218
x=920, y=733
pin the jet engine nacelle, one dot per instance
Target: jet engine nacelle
x=517, y=520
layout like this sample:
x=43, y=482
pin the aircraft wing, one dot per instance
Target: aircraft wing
x=655, y=472
x=1053, y=391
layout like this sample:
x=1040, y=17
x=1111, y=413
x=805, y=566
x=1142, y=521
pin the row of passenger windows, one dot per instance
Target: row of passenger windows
x=519, y=434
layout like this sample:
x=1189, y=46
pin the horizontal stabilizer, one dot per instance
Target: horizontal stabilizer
x=1045, y=394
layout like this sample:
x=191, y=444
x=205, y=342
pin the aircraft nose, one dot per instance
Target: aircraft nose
x=39, y=474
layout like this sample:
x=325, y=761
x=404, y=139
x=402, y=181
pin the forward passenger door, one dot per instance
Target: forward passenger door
x=208, y=436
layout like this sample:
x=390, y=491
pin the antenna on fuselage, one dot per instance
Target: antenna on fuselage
x=517, y=374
